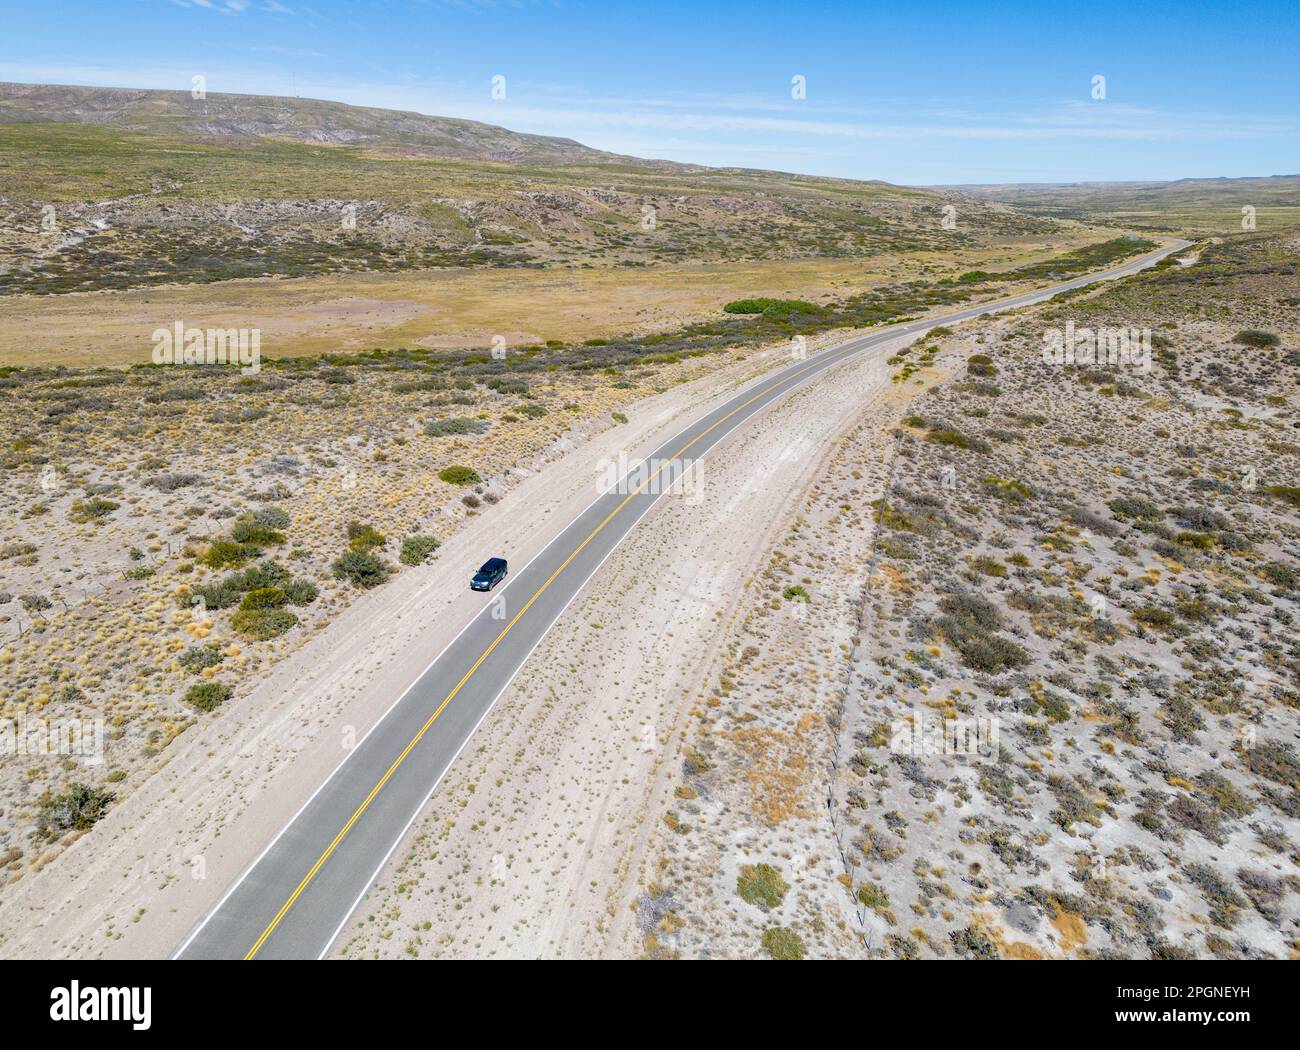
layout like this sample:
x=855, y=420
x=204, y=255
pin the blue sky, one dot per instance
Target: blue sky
x=912, y=92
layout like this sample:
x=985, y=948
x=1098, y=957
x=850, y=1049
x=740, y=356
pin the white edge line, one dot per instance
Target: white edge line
x=928, y=324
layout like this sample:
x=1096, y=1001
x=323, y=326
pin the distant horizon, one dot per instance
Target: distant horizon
x=933, y=94
x=723, y=167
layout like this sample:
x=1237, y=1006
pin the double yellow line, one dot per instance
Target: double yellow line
x=365, y=804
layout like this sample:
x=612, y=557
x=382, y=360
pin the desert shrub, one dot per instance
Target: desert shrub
x=264, y=574
x=531, y=409
x=981, y=365
x=172, y=482
x=956, y=439
x=1254, y=337
x=198, y=657
x=83, y=511
x=1153, y=616
x=264, y=598
x=972, y=607
x=364, y=537
x=776, y=309
x=301, y=591
x=77, y=809
x=1011, y=491
x=1181, y=718
x=1280, y=574
x=228, y=554
x=207, y=696
x=761, y=885
x=988, y=566
x=796, y=594
x=1136, y=508
x=220, y=595
x=249, y=530
x=458, y=475
x=261, y=624
x=1290, y=493
x=781, y=942
x=1275, y=761
x=455, y=425
x=1196, y=517
x=969, y=623
x=272, y=517
x=1086, y=519
x=1200, y=540
x=417, y=549
x=973, y=943
x=618, y=417
x=361, y=568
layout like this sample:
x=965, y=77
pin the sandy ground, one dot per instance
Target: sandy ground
x=535, y=845
x=220, y=795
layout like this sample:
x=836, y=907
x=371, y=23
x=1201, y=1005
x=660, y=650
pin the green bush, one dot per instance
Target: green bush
x=364, y=537
x=969, y=623
x=248, y=530
x=761, y=885
x=781, y=942
x=198, y=657
x=272, y=517
x=1254, y=337
x=771, y=308
x=1290, y=493
x=77, y=809
x=361, y=568
x=265, y=574
x=227, y=554
x=301, y=591
x=1136, y=508
x=988, y=566
x=264, y=598
x=83, y=511
x=260, y=625
x=456, y=425
x=1153, y=616
x=796, y=594
x=207, y=696
x=417, y=549
x=457, y=475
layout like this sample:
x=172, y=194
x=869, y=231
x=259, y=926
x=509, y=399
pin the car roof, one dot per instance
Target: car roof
x=492, y=563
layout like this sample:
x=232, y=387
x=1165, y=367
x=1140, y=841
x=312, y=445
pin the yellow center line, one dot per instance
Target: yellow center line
x=334, y=844
x=365, y=804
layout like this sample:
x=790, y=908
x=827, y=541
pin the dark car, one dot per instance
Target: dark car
x=492, y=573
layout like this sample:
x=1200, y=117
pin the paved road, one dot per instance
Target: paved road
x=294, y=899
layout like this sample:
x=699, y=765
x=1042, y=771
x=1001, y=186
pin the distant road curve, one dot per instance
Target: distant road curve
x=295, y=898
